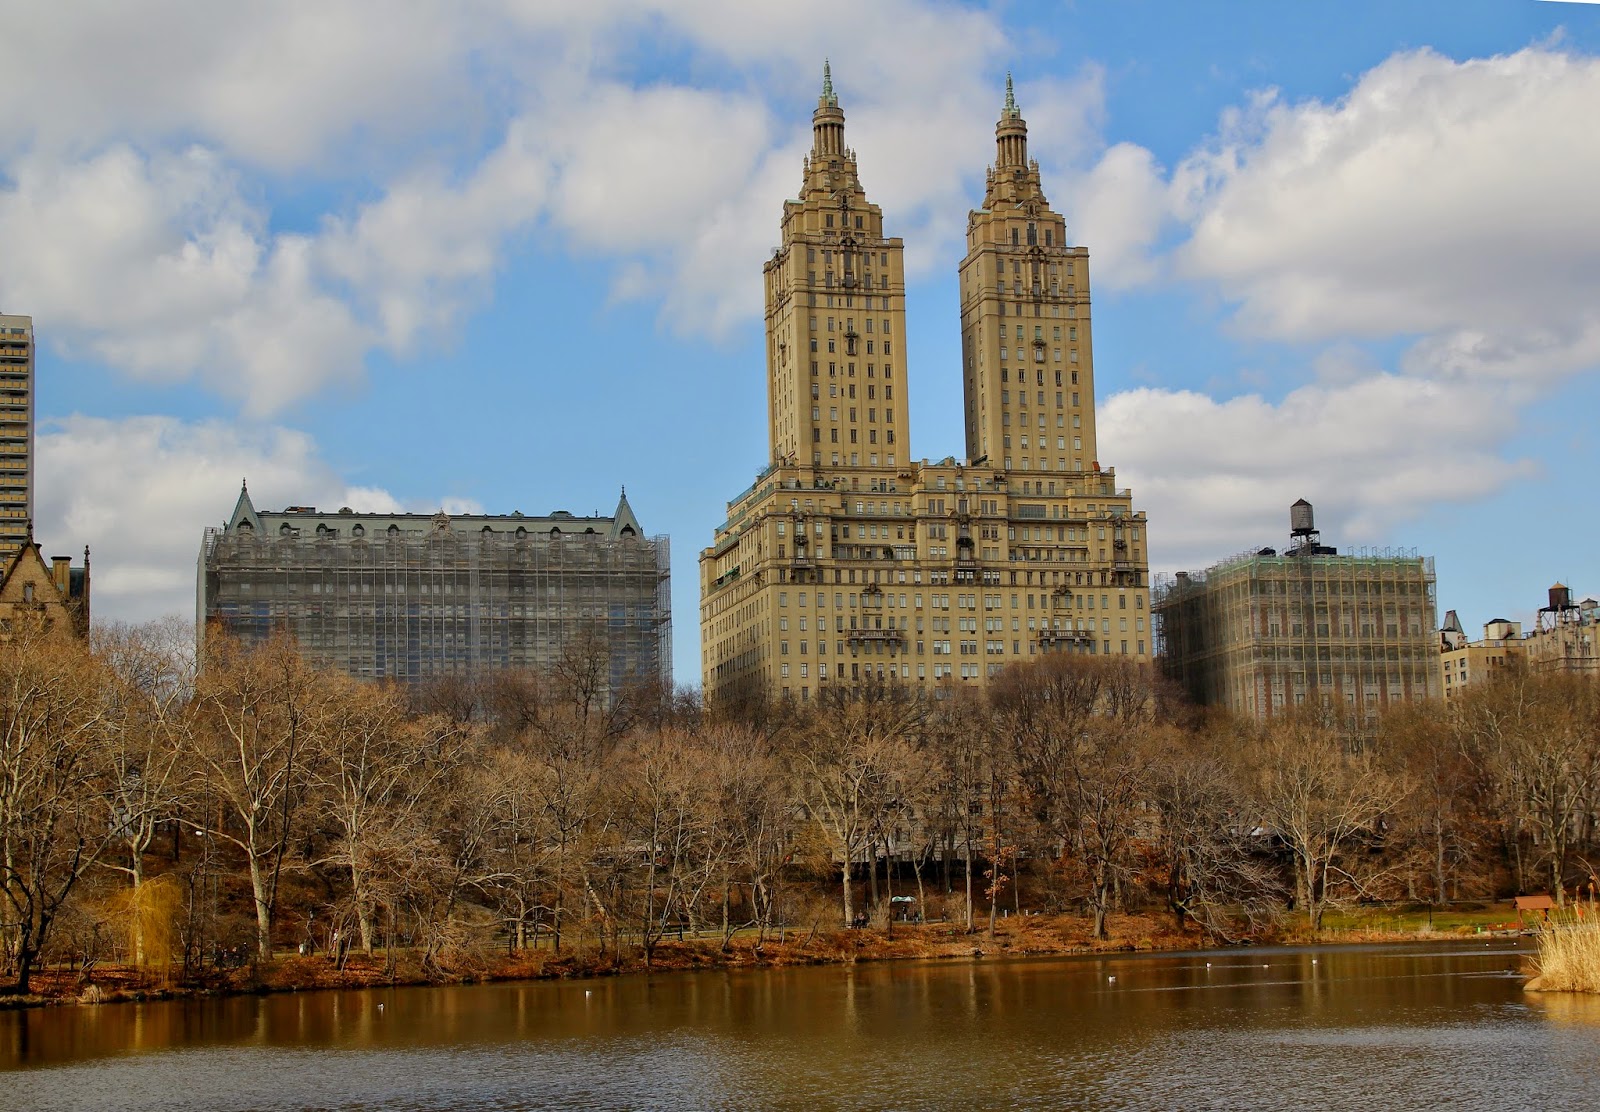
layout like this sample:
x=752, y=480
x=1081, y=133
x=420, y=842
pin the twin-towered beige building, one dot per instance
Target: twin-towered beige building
x=847, y=560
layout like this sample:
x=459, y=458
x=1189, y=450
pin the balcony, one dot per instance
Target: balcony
x=1050, y=638
x=868, y=636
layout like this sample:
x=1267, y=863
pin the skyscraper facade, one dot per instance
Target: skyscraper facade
x=848, y=560
x=16, y=431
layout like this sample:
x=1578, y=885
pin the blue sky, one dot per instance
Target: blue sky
x=412, y=255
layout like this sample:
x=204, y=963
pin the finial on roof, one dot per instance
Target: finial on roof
x=244, y=485
x=1011, y=99
x=827, y=84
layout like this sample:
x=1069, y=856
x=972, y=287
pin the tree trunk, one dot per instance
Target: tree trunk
x=969, y=885
x=258, y=891
x=25, y=958
x=136, y=871
x=1438, y=864
x=358, y=895
x=844, y=878
x=872, y=873
x=1313, y=895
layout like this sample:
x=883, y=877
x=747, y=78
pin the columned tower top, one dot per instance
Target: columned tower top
x=827, y=122
x=1011, y=134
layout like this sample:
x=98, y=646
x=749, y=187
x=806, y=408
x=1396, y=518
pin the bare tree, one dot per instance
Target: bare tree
x=1535, y=739
x=149, y=680
x=961, y=742
x=54, y=780
x=1425, y=746
x=1324, y=801
x=377, y=770
x=258, y=713
x=568, y=758
x=844, y=760
x=1215, y=875
x=1082, y=729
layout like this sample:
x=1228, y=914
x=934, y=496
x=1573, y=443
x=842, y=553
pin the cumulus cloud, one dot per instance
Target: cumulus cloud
x=1216, y=476
x=1120, y=206
x=1443, y=204
x=140, y=492
x=280, y=86
x=159, y=140
x=1437, y=197
x=159, y=267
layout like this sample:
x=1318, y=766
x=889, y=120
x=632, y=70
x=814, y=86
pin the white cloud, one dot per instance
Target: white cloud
x=158, y=266
x=419, y=255
x=1120, y=206
x=1446, y=205
x=140, y=492
x=1436, y=197
x=273, y=85
x=1216, y=476
x=140, y=199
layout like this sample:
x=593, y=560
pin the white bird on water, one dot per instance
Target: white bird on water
x=1111, y=979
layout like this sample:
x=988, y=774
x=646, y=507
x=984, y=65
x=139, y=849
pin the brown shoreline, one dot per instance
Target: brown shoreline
x=1033, y=936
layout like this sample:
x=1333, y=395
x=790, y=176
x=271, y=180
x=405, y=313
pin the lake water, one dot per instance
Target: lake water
x=1397, y=1027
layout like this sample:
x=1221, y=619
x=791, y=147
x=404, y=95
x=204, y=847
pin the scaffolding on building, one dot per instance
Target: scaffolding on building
x=1264, y=632
x=413, y=605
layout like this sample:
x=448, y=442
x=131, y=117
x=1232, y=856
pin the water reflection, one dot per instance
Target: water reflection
x=1398, y=1027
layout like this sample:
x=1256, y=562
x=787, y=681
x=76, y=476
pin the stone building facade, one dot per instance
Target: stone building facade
x=414, y=597
x=1266, y=632
x=1463, y=663
x=51, y=597
x=847, y=559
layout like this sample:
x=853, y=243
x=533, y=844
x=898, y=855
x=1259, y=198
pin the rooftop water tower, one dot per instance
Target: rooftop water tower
x=1304, y=540
x=1561, y=610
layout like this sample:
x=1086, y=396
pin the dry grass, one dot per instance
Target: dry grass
x=1569, y=953
x=1015, y=936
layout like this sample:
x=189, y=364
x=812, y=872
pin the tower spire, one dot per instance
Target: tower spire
x=827, y=122
x=1011, y=133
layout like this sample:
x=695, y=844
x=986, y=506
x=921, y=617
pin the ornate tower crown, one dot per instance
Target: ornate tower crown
x=1011, y=134
x=827, y=122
